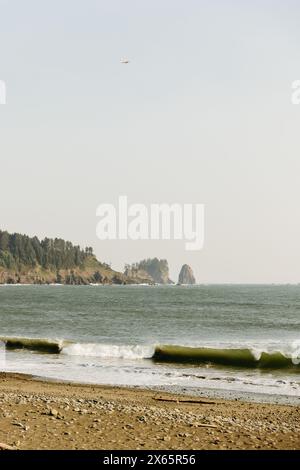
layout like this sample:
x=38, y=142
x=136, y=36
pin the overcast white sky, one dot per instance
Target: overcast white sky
x=202, y=114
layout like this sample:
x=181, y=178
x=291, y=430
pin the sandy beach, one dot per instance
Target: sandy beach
x=36, y=414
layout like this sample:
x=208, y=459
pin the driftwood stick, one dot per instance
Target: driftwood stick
x=203, y=425
x=6, y=447
x=178, y=400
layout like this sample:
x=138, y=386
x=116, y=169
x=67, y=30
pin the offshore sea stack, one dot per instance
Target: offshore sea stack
x=186, y=275
x=149, y=271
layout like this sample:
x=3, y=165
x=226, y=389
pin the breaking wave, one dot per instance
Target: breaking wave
x=34, y=344
x=227, y=357
x=110, y=350
x=246, y=357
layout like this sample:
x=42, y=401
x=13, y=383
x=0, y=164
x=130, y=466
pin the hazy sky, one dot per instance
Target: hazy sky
x=202, y=114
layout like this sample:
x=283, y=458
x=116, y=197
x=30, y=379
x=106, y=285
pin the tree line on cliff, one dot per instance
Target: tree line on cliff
x=17, y=250
x=22, y=257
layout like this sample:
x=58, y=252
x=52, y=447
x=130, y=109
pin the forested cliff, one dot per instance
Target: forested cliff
x=25, y=259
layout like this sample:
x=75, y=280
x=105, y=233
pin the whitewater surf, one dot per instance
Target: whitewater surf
x=169, y=353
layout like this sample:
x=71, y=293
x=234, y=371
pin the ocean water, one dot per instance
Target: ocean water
x=240, y=339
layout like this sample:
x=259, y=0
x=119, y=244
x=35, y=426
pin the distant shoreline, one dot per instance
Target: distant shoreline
x=204, y=284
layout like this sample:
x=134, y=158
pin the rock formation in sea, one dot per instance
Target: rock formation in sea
x=153, y=271
x=186, y=275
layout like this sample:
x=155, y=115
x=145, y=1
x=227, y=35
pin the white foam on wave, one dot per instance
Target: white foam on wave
x=109, y=350
x=288, y=350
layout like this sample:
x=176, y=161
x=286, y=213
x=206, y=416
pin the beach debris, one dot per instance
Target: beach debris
x=183, y=434
x=128, y=426
x=142, y=418
x=6, y=447
x=53, y=412
x=184, y=400
x=21, y=425
x=205, y=425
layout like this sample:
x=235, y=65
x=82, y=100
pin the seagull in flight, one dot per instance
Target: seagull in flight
x=124, y=60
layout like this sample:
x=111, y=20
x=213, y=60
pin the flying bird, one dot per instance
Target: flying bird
x=123, y=60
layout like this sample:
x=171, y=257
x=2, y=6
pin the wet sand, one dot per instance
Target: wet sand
x=38, y=414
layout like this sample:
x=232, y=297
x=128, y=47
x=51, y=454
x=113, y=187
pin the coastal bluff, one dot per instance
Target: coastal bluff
x=28, y=260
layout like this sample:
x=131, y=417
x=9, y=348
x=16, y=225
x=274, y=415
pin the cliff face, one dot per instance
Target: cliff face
x=153, y=271
x=28, y=260
x=138, y=276
x=92, y=272
x=186, y=275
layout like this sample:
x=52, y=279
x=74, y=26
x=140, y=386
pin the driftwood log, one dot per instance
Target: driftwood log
x=6, y=447
x=185, y=400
